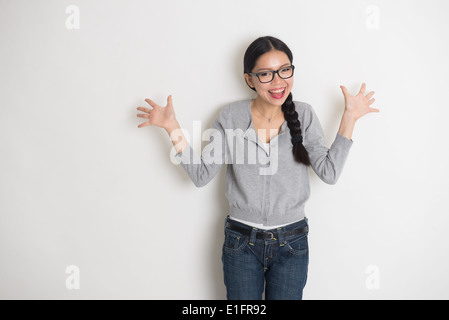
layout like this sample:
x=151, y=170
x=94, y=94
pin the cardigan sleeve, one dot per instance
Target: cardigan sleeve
x=203, y=168
x=327, y=162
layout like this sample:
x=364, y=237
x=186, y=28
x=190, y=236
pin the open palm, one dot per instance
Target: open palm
x=358, y=105
x=158, y=116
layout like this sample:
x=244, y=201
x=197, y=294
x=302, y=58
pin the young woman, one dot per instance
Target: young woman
x=265, y=246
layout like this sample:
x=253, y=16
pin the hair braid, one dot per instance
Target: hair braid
x=291, y=116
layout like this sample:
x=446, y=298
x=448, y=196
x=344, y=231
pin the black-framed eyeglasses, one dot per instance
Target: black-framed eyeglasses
x=268, y=76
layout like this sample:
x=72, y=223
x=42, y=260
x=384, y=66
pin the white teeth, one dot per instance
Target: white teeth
x=277, y=91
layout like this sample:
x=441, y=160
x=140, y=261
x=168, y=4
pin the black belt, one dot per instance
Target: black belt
x=265, y=235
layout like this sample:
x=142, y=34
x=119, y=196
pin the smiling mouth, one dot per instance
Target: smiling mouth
x=277, y=93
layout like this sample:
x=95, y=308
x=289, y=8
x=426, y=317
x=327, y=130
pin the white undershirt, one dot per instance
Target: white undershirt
x=260, y=225
x=266, y=146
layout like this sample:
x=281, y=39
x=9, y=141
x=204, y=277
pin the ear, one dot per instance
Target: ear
x=248, y=81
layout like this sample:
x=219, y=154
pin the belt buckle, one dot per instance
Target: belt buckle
x=271, y=235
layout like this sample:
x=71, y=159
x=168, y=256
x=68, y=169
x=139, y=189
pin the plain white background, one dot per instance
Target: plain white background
x=81, y=185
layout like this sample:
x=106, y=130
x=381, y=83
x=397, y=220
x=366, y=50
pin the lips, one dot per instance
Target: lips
x=277, y=93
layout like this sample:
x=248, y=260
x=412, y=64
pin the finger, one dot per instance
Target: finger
x=371, y=101
x=152, y=103
x=369, y=95
x=147, y=110
x=344, y=90
x=169, y=101
x=374, y=110
x=145, y=116
x=144, y=124
x=363, y=88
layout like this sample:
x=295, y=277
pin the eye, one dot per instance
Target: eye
x=265, y=74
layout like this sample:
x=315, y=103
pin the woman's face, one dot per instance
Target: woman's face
x=276, y=91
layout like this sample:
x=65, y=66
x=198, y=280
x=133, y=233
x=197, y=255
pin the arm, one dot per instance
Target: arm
x=328, y=163
x=200, y=169
x=177, y=136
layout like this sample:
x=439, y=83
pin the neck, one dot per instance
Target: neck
x=267, y=109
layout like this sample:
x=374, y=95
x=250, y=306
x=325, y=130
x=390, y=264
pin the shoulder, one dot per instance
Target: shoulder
x=305, y=111
x=236, y=114
x=302, y=107
x=238, y=108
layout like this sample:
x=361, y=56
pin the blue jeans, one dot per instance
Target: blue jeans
x=278, y=265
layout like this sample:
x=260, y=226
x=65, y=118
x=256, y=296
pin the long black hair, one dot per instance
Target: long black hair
x=255, y=50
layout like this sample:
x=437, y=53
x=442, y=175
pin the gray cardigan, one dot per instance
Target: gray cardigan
x=269, y=189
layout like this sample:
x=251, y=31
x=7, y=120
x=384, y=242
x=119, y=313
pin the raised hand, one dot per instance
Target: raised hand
x=158, y=116
x=359, y=105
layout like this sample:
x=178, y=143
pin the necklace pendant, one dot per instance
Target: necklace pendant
x=269, y=120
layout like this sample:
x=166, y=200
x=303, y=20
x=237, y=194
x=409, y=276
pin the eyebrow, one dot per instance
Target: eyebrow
x=268, y=69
